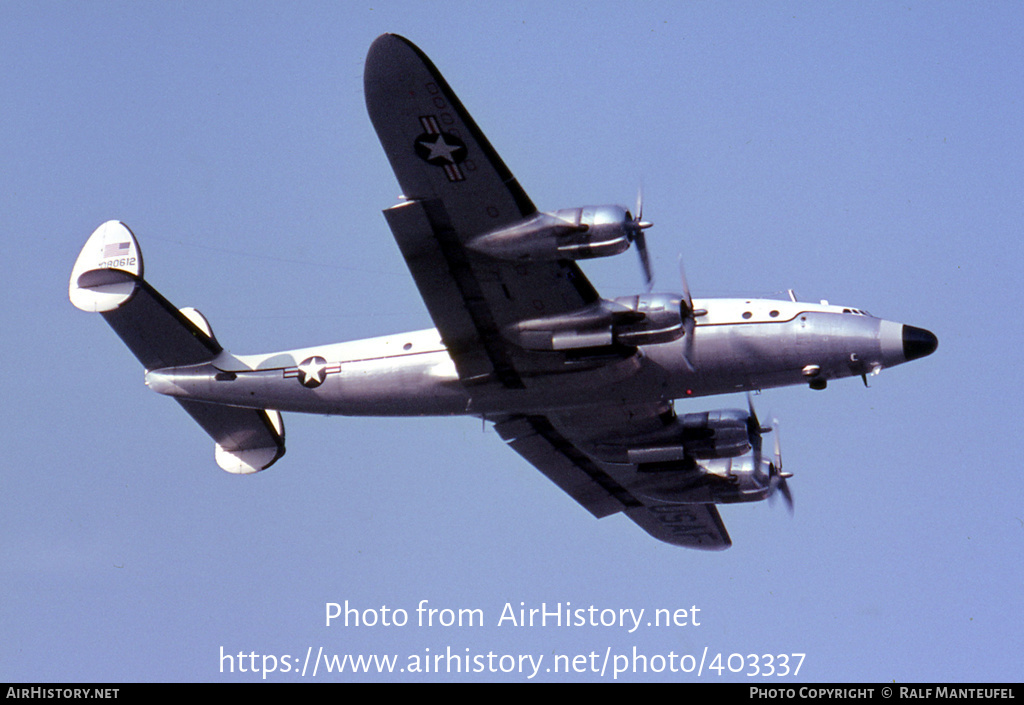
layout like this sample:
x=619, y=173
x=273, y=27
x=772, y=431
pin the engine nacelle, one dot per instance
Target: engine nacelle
x=570, y=233
x=657, y=318
x=713, y=481
x=718, y=460
x=645, y=319
x=725, y=433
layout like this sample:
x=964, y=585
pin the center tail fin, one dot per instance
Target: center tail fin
x=107, y=279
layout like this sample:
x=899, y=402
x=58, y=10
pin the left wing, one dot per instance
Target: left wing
x=456, y=187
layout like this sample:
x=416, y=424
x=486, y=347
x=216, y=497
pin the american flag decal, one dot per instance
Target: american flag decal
x=116, y=249
x=440, y=148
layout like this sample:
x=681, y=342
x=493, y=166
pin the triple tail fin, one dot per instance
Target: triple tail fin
x=108, y=279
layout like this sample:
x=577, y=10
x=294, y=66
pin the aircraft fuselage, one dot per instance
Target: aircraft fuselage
x=739, y=345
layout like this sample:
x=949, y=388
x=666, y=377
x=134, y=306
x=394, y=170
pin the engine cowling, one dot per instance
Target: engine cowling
x=712, y=457
x=569, y=233
x=644, y=319
x=725, y=433
x=657, y=318
x=721, y=461
x=717, y=480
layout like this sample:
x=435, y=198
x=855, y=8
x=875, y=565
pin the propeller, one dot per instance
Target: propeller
x=689, y=320
x=754, y=430
x=634, y=227
x=635, y=232
x=776, y=477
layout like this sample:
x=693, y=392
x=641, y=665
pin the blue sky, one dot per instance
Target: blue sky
x=865, y=153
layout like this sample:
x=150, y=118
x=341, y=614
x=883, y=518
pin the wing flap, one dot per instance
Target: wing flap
x=536, y=440
x=450, y=290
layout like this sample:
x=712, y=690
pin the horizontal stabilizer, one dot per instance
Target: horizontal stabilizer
x=107, y=278
x=248, y=440
x=157, y=333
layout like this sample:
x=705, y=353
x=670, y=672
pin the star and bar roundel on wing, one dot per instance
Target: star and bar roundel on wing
x=440, y=148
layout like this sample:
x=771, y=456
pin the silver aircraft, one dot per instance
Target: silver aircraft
x=581, y=386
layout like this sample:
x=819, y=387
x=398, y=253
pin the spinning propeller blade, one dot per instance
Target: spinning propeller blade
x=635, y=232
x=776, y=477
x=689, y=319
x=775, y=470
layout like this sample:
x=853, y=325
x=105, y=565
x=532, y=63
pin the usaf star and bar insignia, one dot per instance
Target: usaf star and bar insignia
x=312, y=371
x=440, y=148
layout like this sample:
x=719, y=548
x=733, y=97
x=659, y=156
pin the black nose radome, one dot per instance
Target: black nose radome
x=918, y=342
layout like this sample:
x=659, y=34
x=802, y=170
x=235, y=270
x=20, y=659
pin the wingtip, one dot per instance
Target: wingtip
x=382, y=57
x=382, y=42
